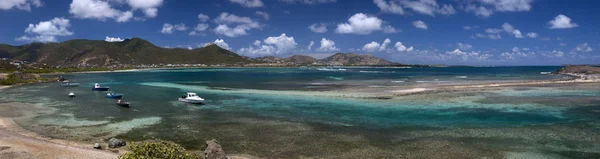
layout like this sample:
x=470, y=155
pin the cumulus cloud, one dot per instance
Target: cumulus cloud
x=375, y=46
x=420, y=24
x=389, y=7
x=20, y=4
x=169, y=28
x=219, y=42
x=242, y=25
x=466, y=56
x=309, y=1
x=532, y=35
x=493, y=30
x=249, y=3
x=327, y=46
x=488, y=36
x=113, y=39
x=511, y=30
x=199, y=29
x=309, y=45
x=318, y=28
x=428, y=7
x=390, y=30
x=362, y=24
x=464, y=46
x=584, y=48
x=264, y=15
x=203, y=17
x=470, y=27
x=562, y=22
x=271, y=45
x=46, y=31
x=102, y=10
x=485, y=8
x=401, y=48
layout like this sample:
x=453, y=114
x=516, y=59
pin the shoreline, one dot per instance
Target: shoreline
x=17, y=142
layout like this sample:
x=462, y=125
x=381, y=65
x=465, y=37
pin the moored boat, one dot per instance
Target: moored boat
x=191, y=98
x=72, y=95
x=97, y=87
x=113, y=95
x=122, y=103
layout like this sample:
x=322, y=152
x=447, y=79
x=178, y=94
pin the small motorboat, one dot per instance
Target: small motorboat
x=67, y=84
x=72, y=95
x=191, y=98
x=113, y=95
x=122, y=103
x=97, y=87
x=61, y=78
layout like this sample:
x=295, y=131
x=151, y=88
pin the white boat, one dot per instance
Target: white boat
x=71, y=94
x=191, y=98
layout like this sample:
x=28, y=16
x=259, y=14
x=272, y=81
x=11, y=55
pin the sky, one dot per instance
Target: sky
x=458, y=32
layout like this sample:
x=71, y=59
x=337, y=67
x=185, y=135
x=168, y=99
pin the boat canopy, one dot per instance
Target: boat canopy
x=96, y=85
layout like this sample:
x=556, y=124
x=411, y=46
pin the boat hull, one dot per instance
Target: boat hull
x=101, y=89
x=123, y=104
x=191, y=101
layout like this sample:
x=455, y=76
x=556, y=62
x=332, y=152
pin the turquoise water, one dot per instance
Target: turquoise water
x=251, y=109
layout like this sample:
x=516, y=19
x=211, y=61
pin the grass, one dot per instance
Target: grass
x=157, y=150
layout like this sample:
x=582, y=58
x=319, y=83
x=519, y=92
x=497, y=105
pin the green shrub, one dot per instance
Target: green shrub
x=157, y=150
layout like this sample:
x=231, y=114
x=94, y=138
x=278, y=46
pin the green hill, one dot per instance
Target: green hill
x=130, y=51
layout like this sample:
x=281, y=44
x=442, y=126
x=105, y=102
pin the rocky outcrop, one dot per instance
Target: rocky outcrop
x=116, y=143
x=578, y=69
x=97, y=146
x=214, y=150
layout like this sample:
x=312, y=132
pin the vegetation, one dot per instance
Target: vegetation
x=68, y=70
x=22, y=78
x=157, y=150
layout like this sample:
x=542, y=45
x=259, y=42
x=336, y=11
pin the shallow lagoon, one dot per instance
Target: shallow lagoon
x=271, y=113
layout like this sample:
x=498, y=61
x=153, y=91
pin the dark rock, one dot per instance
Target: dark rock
x=97, y=146
x=116, y=143
x=214, y=150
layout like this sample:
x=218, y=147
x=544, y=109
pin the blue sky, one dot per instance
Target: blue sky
x=474, y=32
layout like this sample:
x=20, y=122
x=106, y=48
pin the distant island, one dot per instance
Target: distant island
x=140, y=53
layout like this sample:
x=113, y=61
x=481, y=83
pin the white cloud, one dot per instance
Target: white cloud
x=390, y=30
x=271, y=45
x=384, y=45
x=489, y=36
x=532, y=35
x=428, y=7
x=390, y=7
x=20, y=4
x=516, y=55
x=113, y=39
x=46, y=31
x=371, y=47
x=509, y=5
x=584, y=48
x=466, y=56
x=470, y=27
x=562, y=22
x=486, y=8
x=249, y=3
x=515, y=49
x=420, y=24
x=464, y=46
x=327, y=46
x=511, y=30
x=309, y=1
x=480, y=11
x=40, y=38
x=199, y=28
x=363, y=24
x=264, y=15
x=309, y=45
x=242, y=25
x=203, y=18
x=169, y=28
x=318, y=28
x=493, y=30
x=219, y=42
x=401, y=48
x=102, y=9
